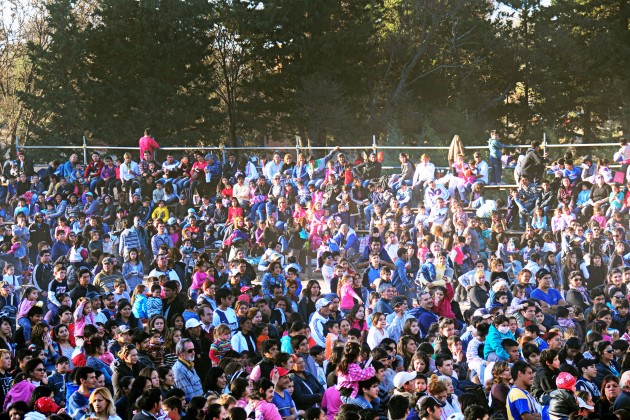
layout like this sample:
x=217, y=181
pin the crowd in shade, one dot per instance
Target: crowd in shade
x=315, y=287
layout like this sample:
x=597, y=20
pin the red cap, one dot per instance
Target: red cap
x=245, y=289
x=46, y=405
x=565, y=381
x=281, y=372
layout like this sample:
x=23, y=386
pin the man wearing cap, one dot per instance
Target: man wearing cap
x=520, y=404
x=105, y=279
x=160, y=238
x=318, y=321
x=194, y=331
x=92, y=207
x=588, y=373
x=83, y=286
x=186, y=377
x=122, y=337
x=396, y=320
x=623, y=400
x=281, y=397
x=563, y=401
x=430, y=408
x=404, y=384
x=424, y=313
x=545, y=293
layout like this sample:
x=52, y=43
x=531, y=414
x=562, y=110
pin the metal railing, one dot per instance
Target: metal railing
x=85, y=147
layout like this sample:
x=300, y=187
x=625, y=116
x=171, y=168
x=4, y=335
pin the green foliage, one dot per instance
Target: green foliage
x=410, y=72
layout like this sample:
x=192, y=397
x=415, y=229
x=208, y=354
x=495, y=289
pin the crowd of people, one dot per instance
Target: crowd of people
x=150, y=290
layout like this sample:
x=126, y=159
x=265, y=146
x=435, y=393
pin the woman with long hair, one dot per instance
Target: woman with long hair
x=167, y=379
x=407, y=347
x=331, y=367
x=126, y=366
x=40, y=337
x=94, y=349
x=357, y=318
x=420, y=362
x=260, y=400
x=606, y=363
x=173, y=336
x=6, y=335
x=123, y=402
x=310, y=294
x=452, y=402
x=411, y=328
x=125, y=316
x=501, y=378
x=578, y=295
x=377, y=331
x=244, y=340
x=571, y=263
x=152, y=375
x=158, y=323
x=480, y=291
x=216, y=381
x=102, y=405
x=61, y=342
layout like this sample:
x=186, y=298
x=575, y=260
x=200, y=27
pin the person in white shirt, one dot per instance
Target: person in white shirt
x=482, y=169
x=425, y=172
x=241, y=191
x=273, y=167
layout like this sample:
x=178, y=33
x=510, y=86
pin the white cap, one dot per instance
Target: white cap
x=583, y=404
x=402, y=378
x=193, y=323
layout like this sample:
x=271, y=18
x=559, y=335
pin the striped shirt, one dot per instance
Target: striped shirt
x=518, y=403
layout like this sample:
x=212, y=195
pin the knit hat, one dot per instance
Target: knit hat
x=565, y=381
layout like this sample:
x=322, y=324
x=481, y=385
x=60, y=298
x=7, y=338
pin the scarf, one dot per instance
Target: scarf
x=583, y=292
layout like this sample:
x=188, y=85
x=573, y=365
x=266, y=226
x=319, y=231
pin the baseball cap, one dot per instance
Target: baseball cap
x=429, y=402
x=397, y=300
x=192, y=323
x=482, y=312
x=123, y=329
x=243, y=298
x=583, y=404
x=109, y=260
x=46, y=405
x=281, y=372
x=86, y=194
x=402, y=378
x=245, y=289
x=565, y=381
x=321, y=302
x=92, y=295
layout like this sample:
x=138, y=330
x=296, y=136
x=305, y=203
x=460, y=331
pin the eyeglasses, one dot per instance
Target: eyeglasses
x=618, y=296
x=40, y=370
x=610, y=351
x=190, y=351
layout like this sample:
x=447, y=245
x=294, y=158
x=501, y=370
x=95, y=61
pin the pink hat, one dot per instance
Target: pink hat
x=243, y=298
x=565, y=381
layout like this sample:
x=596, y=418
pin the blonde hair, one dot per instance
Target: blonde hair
x=222, y=329
x=104, y=392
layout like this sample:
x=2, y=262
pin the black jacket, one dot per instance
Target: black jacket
x=544, y=382
x=308, y=391
x=562, y=404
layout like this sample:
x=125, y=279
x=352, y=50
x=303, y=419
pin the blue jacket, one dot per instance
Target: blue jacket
x=351, y=240
x=76, y=403
x=399, y=278
x=493, y=343
x=496, y=148
x=425, y=319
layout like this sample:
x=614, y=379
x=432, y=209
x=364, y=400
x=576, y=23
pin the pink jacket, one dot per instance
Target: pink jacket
x=352, y=378
x=80, y=320
x=266, y=411
x=20, y=392
x=25, y=306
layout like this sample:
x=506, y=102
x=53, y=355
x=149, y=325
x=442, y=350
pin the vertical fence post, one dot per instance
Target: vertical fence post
x=297, y=145
x=374, y=143
x=85, y=161
x=17, y=143
x=223, y=159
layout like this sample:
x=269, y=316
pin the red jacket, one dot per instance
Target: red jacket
x=444, y=307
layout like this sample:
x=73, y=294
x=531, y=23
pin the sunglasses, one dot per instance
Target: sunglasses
x=190, y=351
x=610, y=351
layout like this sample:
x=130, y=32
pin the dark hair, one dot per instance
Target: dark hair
x=397, y=407
x=82, y=373
x=149, y=398
x=213, y=411
x=517, y=367
x=173, y=403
